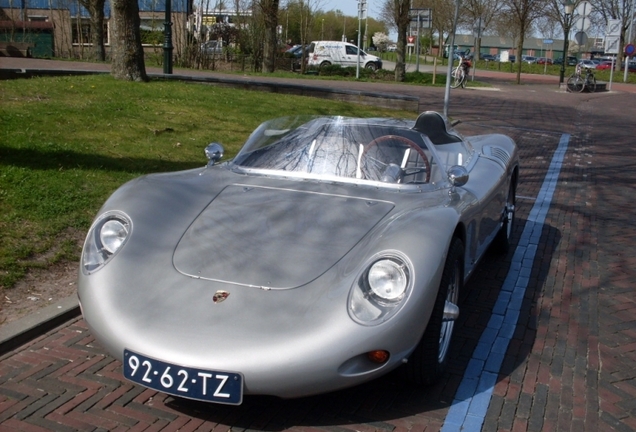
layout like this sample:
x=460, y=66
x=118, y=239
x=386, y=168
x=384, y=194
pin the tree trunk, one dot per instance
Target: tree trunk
x=270, y=16
x=96, y=9
x=402, y=21
x=127, y=54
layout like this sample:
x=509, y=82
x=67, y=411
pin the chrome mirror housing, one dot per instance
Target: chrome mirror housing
x=457, y=175
x=214, y=153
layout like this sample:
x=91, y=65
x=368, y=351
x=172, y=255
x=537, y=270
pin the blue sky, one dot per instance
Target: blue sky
x=350, y=7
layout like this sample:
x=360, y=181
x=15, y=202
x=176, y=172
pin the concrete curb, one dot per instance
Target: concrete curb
x=18, y=332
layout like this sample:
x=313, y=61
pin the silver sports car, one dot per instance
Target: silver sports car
x=328, y=252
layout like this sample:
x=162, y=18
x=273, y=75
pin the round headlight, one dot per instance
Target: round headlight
x=106, y=237
x=388, y=279
x=112, y=235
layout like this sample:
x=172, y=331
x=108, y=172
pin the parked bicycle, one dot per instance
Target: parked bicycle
x=460, y=73
x=580, y=81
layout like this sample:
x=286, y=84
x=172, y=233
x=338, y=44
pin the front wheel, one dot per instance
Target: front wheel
x=371, y=66
x=458, y=77
x=575, y=83
x=591, y=84
x=503, y=239
x=430, y=357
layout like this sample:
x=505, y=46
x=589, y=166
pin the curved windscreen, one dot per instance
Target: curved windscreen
x=337, y=148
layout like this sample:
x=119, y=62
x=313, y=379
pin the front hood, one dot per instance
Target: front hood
x=274, y=238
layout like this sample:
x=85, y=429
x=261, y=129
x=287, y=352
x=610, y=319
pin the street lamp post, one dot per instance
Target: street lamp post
x=167, y=44
x=344, y=27
x=569, y=7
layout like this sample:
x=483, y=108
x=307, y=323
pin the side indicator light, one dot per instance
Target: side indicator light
x=378, y=356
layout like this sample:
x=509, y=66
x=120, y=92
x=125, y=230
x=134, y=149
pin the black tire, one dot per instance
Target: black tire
x=575, y=84
x=582, y=84
x=457, y=76
x=371, y=66
x=503, y=240
x=430, y=357
x=591, y=84
x=325, y=64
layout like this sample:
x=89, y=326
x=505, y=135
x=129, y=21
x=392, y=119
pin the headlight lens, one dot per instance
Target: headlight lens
x=381, y=288
x=112, y=234
x=387, y=279
x=105, y=238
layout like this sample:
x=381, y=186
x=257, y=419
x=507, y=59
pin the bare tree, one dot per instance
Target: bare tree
x=616, y=10
x=480, y=13
x=522, y=13
x=127, y=53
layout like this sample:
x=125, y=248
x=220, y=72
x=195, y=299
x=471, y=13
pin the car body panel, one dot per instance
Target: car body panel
x=285, y=250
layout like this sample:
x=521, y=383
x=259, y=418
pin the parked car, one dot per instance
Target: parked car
x=462, y=54
x=212, y=47
x=327, y=253
x=296, y=53
x=488, y=57
x=631, y=66
x=544, y=60
x=325, y=53
x=606, y=65
x=528, y=59
x=587, y=64
x=571, y=61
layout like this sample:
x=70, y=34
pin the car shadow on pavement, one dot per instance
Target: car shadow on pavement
x=379, y=403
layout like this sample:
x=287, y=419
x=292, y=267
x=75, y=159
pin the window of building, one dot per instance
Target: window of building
x=82, y=32
x=152, y=32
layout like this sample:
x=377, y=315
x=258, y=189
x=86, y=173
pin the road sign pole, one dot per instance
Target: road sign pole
x=629, y=40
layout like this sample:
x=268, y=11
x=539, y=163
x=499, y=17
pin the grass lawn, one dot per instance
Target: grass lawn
x=67, y=143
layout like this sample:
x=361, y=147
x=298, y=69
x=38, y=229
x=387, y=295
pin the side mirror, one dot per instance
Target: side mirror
x=457, y=175
x=214, y=153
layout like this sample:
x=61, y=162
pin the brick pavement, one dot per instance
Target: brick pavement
x=570, y=365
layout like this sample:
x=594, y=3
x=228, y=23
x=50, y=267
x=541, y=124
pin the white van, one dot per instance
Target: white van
x=325, y=53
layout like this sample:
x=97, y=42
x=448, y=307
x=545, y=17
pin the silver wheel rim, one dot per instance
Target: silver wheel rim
x=446, y=331
x=510, y=215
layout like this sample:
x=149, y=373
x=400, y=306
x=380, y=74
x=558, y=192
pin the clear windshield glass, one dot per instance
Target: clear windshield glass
x=382, y=151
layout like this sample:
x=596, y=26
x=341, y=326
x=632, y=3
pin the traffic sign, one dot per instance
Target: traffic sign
x=583, y=9
x=613, y=27
x=611, y=44
x=548, y=41
x=629, y=50
x=581, y=38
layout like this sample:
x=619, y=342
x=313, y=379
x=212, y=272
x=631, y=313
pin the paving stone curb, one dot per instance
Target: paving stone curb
x=17, y=333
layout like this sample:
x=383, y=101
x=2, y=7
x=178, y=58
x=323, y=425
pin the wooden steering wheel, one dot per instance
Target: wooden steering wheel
x=409, y=143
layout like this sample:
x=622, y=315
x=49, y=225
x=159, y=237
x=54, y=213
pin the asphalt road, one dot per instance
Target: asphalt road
x=545, y=340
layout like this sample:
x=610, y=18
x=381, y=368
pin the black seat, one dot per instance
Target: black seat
x=433, y=125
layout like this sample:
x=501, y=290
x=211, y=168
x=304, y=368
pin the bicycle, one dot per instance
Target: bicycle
x=460, y=73
x=578, y=83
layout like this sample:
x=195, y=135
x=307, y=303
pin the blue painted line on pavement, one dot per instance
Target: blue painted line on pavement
x=468, y=411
